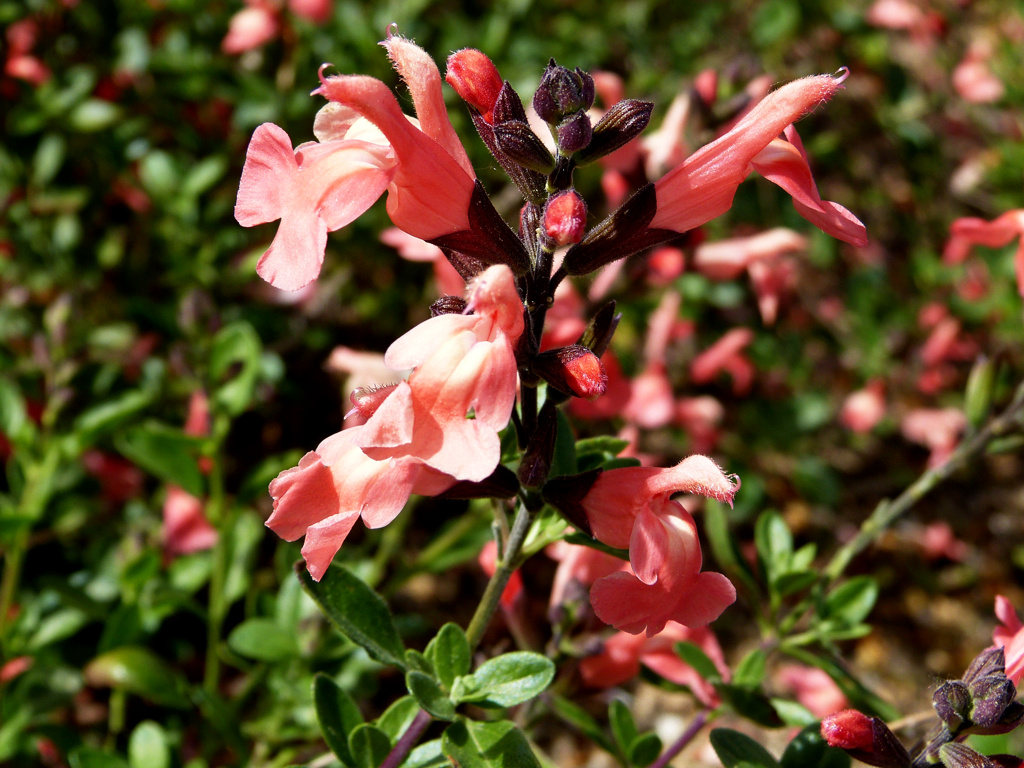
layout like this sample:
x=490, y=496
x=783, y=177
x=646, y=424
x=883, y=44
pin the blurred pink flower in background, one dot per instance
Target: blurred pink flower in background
x=22, y=36
x=622, y=655
x=488, y=561
x=728, y=259
x=972, y=78
x=937, y=429
x=185, y=528
x=119, y=479
x=701, y=418
x=251, y=27
x=966, y=233
x=863, y=409
x=937, y=540
x=449, y=281
x=1010, y=637
x=726, y=355
x=811, y=687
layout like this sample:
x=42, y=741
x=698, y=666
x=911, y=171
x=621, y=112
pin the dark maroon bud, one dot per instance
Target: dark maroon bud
x=952, y=702
x=621, y=124
x=989, y=661
x=574, y=133
x=991, y=694
x=600, y=329
x=448, y=305
x=562, y=92
x=508, y=106
x=517, y=141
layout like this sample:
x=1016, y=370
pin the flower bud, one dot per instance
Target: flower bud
x=562, y=92
x=574, y=133
x=573, y=371
x=599, y=330
x=621, y=124
x=517, y=141
x=565, y=218
x=952, y=702
x=475, y=78
x=990, y=661
x=991, y=695
x=848, y=729
x=978, y=394
x=954, y=755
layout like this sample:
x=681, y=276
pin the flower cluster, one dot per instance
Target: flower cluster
x=479, y=361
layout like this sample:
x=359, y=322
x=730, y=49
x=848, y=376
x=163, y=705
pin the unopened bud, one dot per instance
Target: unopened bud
x=991, y=694
x=978, y=394
x=565, y=218
x=621, y=124
x=848, y=729
x=475, y=78
x=574, y=133
x=573, y=371
x=562, y=92
x=955, y=755
x=952, y=702
x=990, y=661
x=517, y=141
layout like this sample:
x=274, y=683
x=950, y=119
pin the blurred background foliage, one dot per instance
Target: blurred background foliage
x=126, y=286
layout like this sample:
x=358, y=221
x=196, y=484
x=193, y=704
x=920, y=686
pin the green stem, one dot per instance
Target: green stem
x=887, y=512
x=508, y=562
x=13, y=560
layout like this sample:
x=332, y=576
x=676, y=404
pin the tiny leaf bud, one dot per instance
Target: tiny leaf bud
x=954, y=755
x=562, y=92
x=475, y=78
x=565, y=218
x=952, y=702
x=574, y=133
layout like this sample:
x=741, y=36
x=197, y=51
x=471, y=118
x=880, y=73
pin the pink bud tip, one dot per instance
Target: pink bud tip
x=848, y=729
x=391, y=30
x=842, y=73
x=565, y=218
x=475, y=78
x=584, y=375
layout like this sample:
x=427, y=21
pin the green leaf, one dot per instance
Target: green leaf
x=852, y=601
x=90, y=757
x=623, y=726
x=416, y=660
x=809, y=750
x=578, y=717
x=14, y=421
x=734, y=748
x=235, y=366
x=697, y=659
x=645, y=749
x=398, y=717
x=498, y=744
x=794, y=581
x=203, y=175
x=774, y=543
x=429, y=694
x=242, y=537
x=427, y=755
x=449, y=654
x=164, y=451
x=100, y=419
x=264, y=640
x=139, y=671
x=723, y=547
x=148, y=747
x=750, y=671
x=337, y=715
x=369, y=745
x=357, y=611
x=793, y=713
x=505, y=680
x=751, y=703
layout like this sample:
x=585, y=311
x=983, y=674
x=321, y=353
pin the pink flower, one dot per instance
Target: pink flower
x=632, y=507
x=21, y=39
x=968, y=232
x=702, y=186
x=863, y=409
x=811, y=687
x=700, y=417
x=578, y=566
x=623, y=653
x=417, y=437
x=938, y=429
x=727, y=259
x=317, y=11
x=972, y=78
x=250, y=28
x=185, y=528
x=1010, y=637
x=321, y=186
x=726, y=355
x=488, y=562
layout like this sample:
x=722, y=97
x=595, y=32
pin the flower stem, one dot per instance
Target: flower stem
x=218, y=575
x=702, y=719
x=887, y=512
x=405, y=744
x=502, y=572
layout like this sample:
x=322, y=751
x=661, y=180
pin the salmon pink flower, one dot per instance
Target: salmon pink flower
x=632, y=507
x=938, y=429
x=418, y=436
x=251, y=27
x=863, y=409
x=813, y=688
x=726, y=354
x=623, y=653
x=1010, y=637
x=702, y=186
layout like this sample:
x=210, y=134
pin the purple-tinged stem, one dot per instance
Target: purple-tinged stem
x=683, y=741
x=405, y=744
